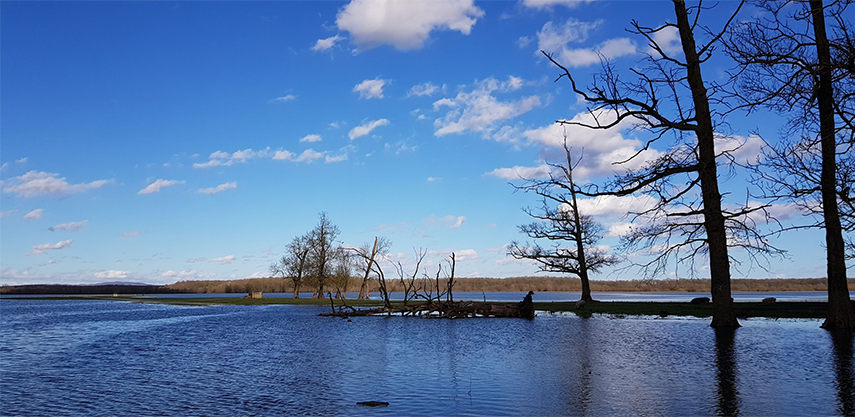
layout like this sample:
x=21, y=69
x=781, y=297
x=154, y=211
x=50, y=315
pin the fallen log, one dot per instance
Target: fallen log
x=448, y=309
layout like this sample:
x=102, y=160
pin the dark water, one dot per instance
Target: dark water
x=113, y=358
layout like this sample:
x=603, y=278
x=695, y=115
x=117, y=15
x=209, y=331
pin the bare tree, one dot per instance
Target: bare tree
x=342, y=271
x=669, y=98
x=323, y=246
x=369, y=253
x=558, y=220
x=788, y=63
x=295, y=262
x=408, y=281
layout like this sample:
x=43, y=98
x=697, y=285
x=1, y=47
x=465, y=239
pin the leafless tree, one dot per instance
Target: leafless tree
x=669, y=98
x=408, y=281
x=790, y=64
x=369, y=254
x=574, y=236
x=342, y=271
x=323, y=248
x=294, y=263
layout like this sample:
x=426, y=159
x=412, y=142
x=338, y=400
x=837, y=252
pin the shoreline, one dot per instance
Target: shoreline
x=744, y=310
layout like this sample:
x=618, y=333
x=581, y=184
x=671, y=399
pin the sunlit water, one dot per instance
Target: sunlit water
x=113, y=358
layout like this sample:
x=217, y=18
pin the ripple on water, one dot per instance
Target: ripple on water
x=108, y=358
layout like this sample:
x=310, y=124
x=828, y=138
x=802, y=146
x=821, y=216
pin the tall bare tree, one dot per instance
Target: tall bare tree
x=295, y=262
x=323, y=247
x=669, y=98
x=559, y=221
x=788, y=63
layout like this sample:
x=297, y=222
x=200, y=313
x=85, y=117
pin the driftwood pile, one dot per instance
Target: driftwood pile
x=445, y=309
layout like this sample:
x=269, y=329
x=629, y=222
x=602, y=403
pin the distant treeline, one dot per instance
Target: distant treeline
x=537, y=284
x=85, y=289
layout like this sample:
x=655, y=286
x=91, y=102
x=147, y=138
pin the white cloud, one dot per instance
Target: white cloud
x=157, y=185
x=555, y=39
x=366, y=128
x=285, y=99
x=545, y=4
x=433, y=179
x=337, y=158
x=309, y=155
x=524, y=41
x=421, y=90
x=283, y=155
x=40, y=249
x=4, y=166
x=34, y=215
x=22, y=160
x=133, y=233
x=69, y=227
x=310, y=139
x=520, y=172
x=599, y=149
x=218, y=189
x=224, y=259
x=186, y=275
x=370, y=88
x=112, y=274
x=669, y=40
x=449, y=222
x=619, y=229
x=220, y=158
x=743, y=150
x=604, y=206
x=327, y=43
x=7, y=213
x=36, y=183
x=406, y=25
x=479, y=110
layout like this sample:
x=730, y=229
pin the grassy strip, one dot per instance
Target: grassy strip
x=792, y=309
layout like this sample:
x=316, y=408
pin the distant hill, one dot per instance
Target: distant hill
x=120, y=283
x=103, y=288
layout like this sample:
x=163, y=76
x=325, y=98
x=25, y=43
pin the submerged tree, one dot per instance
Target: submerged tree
x=574, y=236
x=294, y=263
x=369, y=254
x=788, y=63
x=669, y=98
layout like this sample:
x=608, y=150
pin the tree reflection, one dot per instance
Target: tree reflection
x=843, y=369
x=727, y=395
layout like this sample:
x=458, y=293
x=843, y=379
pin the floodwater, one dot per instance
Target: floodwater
x=73, y=357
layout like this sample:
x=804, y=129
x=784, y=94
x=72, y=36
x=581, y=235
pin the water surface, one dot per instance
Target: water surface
x=77, y=357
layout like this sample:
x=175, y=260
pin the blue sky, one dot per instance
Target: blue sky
x=167, y=141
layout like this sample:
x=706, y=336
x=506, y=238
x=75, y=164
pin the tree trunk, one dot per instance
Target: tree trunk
x=723, y=313
x=841, y=315
x=363, y=290
x=577, y=221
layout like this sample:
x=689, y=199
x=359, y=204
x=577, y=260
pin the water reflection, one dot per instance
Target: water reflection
x=727, y=394
x=843, y=369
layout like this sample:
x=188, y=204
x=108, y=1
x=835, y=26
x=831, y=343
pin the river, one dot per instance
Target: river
x=76, y=357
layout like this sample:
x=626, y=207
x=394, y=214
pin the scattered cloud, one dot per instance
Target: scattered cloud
x=194, y=260
x=479, y=110
x=524, y=41
x=422, y=90
x=37, y=183
x=433, y=179
x=327, y=43
x=337, y=158
x=668, y=40
x=186, y=275
x=40, y=249
x=309, y=155
x=285, y=98
x=520, y=172
x=224, y=259
x=310, y=139
x=546, y=4
x=366, y=128
x=8, y=213
x=22, y=160
x=449, y=222
x=406, y=25
x=555, y=39
x=157, y=185
x=69, y=227
x=133, y=233
x=218, y=189
x=34, y=215
x=282, y=155
x=220, y=158
x=112, y=274
x=370, y=88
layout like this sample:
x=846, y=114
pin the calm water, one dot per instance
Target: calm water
x=114, y=358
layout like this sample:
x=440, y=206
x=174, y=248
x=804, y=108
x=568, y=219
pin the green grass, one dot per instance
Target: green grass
x=794, y=309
